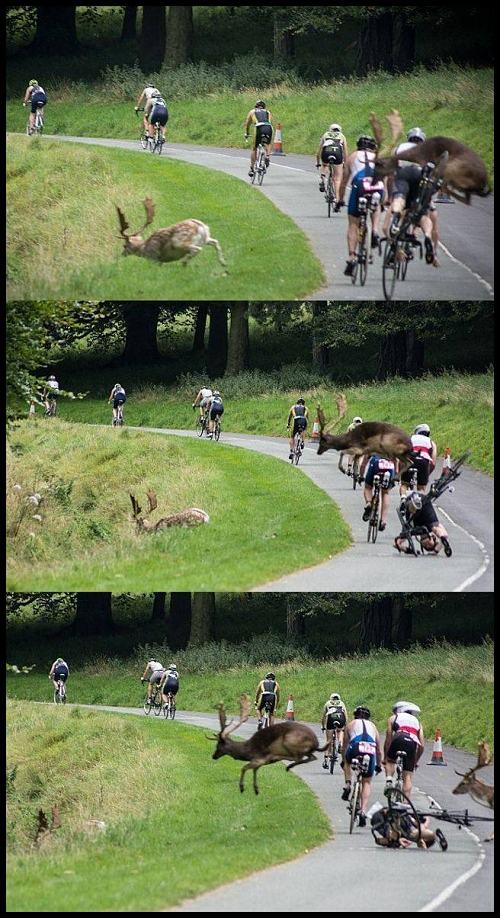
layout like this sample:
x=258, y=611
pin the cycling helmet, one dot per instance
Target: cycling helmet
x=414, y=501
x=366, y=143
x=52, y=377
x=216, y=392
x=300, y=401
x=423, y=429
x=270, y=676
x=334, y=696
x=150, y=86
x=405, y=707
x=335, y=127
x=362, y=711
x=357, y=420
x=172, y=666
x=416, y=134
x=117, y=385
x=33, y=83
x=260, y=104
x=155, y=94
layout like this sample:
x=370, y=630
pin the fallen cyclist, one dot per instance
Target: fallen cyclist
x=419, y=520
x=402, y=833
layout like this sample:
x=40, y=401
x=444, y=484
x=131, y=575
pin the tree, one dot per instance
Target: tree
x=199, y=329
x=153, y=37
x=129, y=24
x=237, y=355
x=141, y=320
x=179, y=621
x=376, y=625
x=55, y=30
x=203, y=617
x=217, y=340
x=158, y=613
x=295, y=619
x=179, y=48
x=283, y=35
x=93, y=614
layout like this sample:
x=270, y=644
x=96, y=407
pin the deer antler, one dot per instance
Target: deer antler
x=484, y=756
x=135, y=506
x=150, y=214
x=396, y=124
x=123, y=223
x=152, y=501
x=341, y=403
x=244, y=713
x=376, y=128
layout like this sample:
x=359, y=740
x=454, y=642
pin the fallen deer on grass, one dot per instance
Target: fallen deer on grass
x=286, y=741
x=181, y=241
x=191, y=517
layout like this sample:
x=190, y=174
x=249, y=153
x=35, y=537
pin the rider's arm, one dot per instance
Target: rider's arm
x=306, y=412
x=111, y=394
x=145, y=672
x=277, y=694
x=258, y=693
x=388, y=736
x=379, y=753
x=52, y=668
x=323, y=717
x=27, y=94
x=248, y=121
x=346, y=737
x=420, y=749
x=141, y=97
x=345, y=177
x=318, y=152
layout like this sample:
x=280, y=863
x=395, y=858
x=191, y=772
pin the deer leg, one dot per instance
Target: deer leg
x=192, y=251
x=215, y=243
x=302, y=761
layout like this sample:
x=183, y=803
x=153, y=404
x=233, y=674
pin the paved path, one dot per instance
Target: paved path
x=371, y=878
x=467, y=514
x=466, y=271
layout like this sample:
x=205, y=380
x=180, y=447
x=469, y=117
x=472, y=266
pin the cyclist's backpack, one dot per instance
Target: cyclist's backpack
x=336, y=713
x=333, y=147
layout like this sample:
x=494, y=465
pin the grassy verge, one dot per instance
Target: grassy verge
x=72, y=226
x=443, y=679
x=121, y=770
x=450, y=100
x=86, y=540
x=457, y=406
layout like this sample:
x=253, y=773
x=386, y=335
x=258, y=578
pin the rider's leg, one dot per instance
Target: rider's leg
x=338, y=172
x=366, y=787
x=407, y=783
x=352, y=236
x=367, y=494
x=385, y=505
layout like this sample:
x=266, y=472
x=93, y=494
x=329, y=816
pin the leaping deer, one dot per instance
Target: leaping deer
x=285, y=741
x=191, y=517
x=479, y=791
x=368, y=438
x=181, y=241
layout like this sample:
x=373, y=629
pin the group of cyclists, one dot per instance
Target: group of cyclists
x=211, y=406
x=36, y=97
x=166, y=679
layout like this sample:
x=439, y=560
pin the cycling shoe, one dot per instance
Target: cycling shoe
x=366, y=513
x=429, y=251
x=441, y=839
x=349, y=268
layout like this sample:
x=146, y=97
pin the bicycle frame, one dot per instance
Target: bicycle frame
x=297, y=448
x=259, y=169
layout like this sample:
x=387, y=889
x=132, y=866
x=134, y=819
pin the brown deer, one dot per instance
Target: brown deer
x=285, y=741
x=479, y=791
x=367, y=438
x=181, y=241
x=191, y=517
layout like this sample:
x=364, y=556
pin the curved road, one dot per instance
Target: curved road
x=467, y=514
x=466, y=255
x=370, y=878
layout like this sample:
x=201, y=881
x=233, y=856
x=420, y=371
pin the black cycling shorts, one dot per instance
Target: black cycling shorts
x=61, y=674
x=216, y=411
x=270, y=700
x=159, y=113
x=427, y=516
x=406, y=182
x=38, y=100
x=299, y=425
x=119, y=400
x=335, y=721
x=402, y=742
x=423, y=468
x=263, y=134
x=335, y=152
x=170, y=686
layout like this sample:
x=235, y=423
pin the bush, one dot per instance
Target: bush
x=288, y=378
x=262, y=650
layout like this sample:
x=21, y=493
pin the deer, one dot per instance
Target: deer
x=191, y=517
x=464, y=172
x=368, y=438
x=288, y=741
x=479, y=791
x=181, y=241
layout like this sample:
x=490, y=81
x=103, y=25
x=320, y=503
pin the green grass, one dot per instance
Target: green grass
x=450, y=100
x=457, y=406
x=176, y=822
x=86, y=539
x=70, y=221
x=444, y=680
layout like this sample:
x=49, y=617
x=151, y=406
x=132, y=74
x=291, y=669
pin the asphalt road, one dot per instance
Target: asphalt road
x=350, y=872
x=466, y=256
x=467, y=514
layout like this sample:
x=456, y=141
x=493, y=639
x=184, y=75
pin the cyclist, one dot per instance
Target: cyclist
x=405, y=189
x=389, y=835
x=424, y=462
x=404, y=734
x=154, y=673
x=215, y=409
x=261, y=117
x=332, y=143
x=50, y=392
x=268, y=692
x=145, y=100
x=333, y=721
x=169, y=683
x=36, y=96
x=158, y=113
x=360, y=175
x=419, y=511
x=298, y=414
x=202, y=399
x=354, y=423
x=59, y=670
x=361, y=738
x=416, y=136
x=386, y=469
x=118, y=397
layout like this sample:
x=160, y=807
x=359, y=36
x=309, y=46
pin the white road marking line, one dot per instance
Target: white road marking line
x=244, y=158
x=474, y=274
x=479, y=573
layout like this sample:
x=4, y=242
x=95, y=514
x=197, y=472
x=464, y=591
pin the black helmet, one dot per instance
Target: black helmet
x=300, y=401
x=270, y=676
x=260, y=104
x=366, y=143
x=362, y=711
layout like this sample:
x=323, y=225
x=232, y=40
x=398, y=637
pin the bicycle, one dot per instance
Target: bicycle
x=363, y=254
x=38, y=125
x=403, y=819
x=51, y=411
x=359, y=768
x=60, y=692
x=217, y=428
x=260, y=168
x=397, y=788
x=170, y=707
x=154, y=702
x=401, y=240
x=330, y=196
x=118, y=420
x=265, y=719
x=353, y=471
x=143, y=136
x=202, y=423
x=334, y=754
x=297, y=448
x=156, y=142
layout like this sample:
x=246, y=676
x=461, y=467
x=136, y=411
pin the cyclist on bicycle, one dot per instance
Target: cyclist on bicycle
x=37, y=98
x=215, y=409
x=298, y=414
x=405, y=192
x=418, y=511
x=360, y=175
x=361, y=738
x=268, y=693
x=170, y=683
x=333, y=721
x=386, y=470
x=154, y=673
x=146, y=100
x=404, y=734
x=354, y=423
x=424, y=462
x=59, y=670
x=50, y=392
x=261, y=117
x=202, y=400
x=158, y=113
x=332, y=144
x=118, y=397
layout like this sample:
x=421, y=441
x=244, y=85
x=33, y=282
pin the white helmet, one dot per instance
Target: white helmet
x=406, y=707
x=335, y=127
x=357, y=420
x=52, y=377
x=414, y=501
x=423, y=429
x=172, y=666
x=335, y=696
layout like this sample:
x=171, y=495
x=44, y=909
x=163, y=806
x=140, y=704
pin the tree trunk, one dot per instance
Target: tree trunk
x=203, y=617
x=93, y=614
x=158, y=613
x=200, y=327
x=295, y=622
x=376, y=625
x=415, y=350
x=375, y=42
x=237, y=356
x=179, y=48
x=55, y=30
x=142, y=325
x=153, y=36
x=179, y=621
x=217, y=341
x=402, y=354
x=403, y=46
x=129, y=25
x=403, y=622
x=284, y=39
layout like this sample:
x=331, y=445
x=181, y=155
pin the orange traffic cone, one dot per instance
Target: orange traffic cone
x=290, y=715
x=437, y=750
x=316, y=431
x=277, y=143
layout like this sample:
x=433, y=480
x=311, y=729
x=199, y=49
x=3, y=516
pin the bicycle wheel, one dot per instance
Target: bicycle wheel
x=173, y=708
x=404, y=817
x=143, y=140
x=297, y=451
x=354, y=806
x=202, y=425
x=57, y=697
x=389, y=268
x=333, y=757
x=363, y=261
x=148, y=704
x=157, y=704
x=217, y=431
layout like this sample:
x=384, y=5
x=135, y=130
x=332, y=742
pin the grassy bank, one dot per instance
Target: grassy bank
x=450, y=100
x=73, y=227
x=123, y=772
x=457, y=406
x=444, y=680
x=86, y=539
